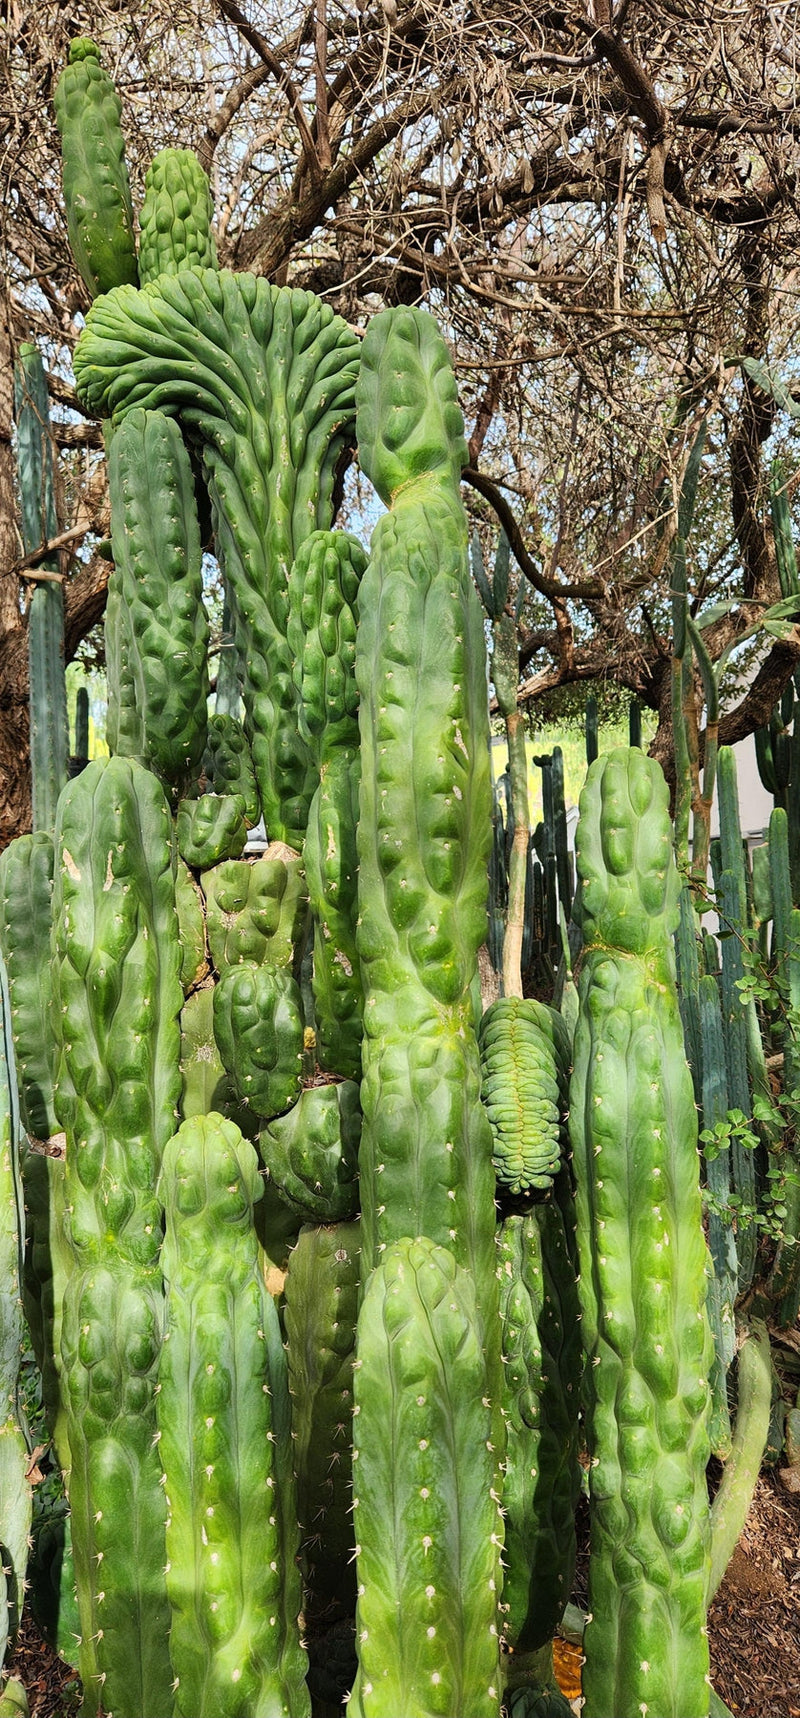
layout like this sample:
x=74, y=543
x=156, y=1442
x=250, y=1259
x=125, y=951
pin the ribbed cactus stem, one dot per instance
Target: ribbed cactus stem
x=48, y=693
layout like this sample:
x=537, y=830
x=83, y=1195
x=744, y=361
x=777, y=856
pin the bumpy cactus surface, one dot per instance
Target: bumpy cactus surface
x=320, y=1316
x=311, y=1153
x=225, y=1441
x=425, y=820
x=96, y=187
x=525, y=1057
x=541, y=1391
x=26, y=888
x=175, y=217
x=633, y=1125
x=156, y=543
x=427, y=1518
x=117, y=997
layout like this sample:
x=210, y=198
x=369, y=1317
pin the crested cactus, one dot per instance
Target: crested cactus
x=225, y=1441
x=263, y=379
x=633, y=1126
x=525, y=1058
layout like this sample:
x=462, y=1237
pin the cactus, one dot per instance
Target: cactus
x=425, y=1158
x=311, y=1153
x=117, y=997
x=255, y=912
x=258, y=1025
x=633, y=1126
x=48, y=692
x=320, y=1318
x=426, y=1514
x=96, y=187
x=156, y=543
x=525, y=1060
x=15, y=1490
x=14, y=1700
x=26, y=886
x=210, y=829
x=228, y=764
x=175, y=217
x=225, y=1441
x=263, y=378
x=541, y=1387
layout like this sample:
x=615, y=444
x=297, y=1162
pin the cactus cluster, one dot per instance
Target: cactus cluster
x=304, y=1231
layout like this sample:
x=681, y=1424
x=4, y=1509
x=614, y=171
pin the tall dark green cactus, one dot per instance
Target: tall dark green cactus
x=633, y=1125
x=48, y=693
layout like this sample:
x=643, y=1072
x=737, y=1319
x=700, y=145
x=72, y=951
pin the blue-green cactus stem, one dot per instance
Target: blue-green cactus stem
x=427, y=1517
x=26, y=888
x=157, y=565
x=263, y=377
x=320, y=1318
x=225, y=1442
x=722, y=1288
x=633, y=1126
x=49, y=735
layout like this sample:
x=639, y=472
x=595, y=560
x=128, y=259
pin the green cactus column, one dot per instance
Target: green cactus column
x=116, y=1003
x=633, y=1125
x=425, y=824
x=225, y=1443
x=263, y=377
x=426, y=1514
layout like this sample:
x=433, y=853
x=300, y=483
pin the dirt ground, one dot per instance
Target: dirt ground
x=754, y=1624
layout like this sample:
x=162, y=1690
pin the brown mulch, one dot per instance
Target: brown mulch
x=754, y=1624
